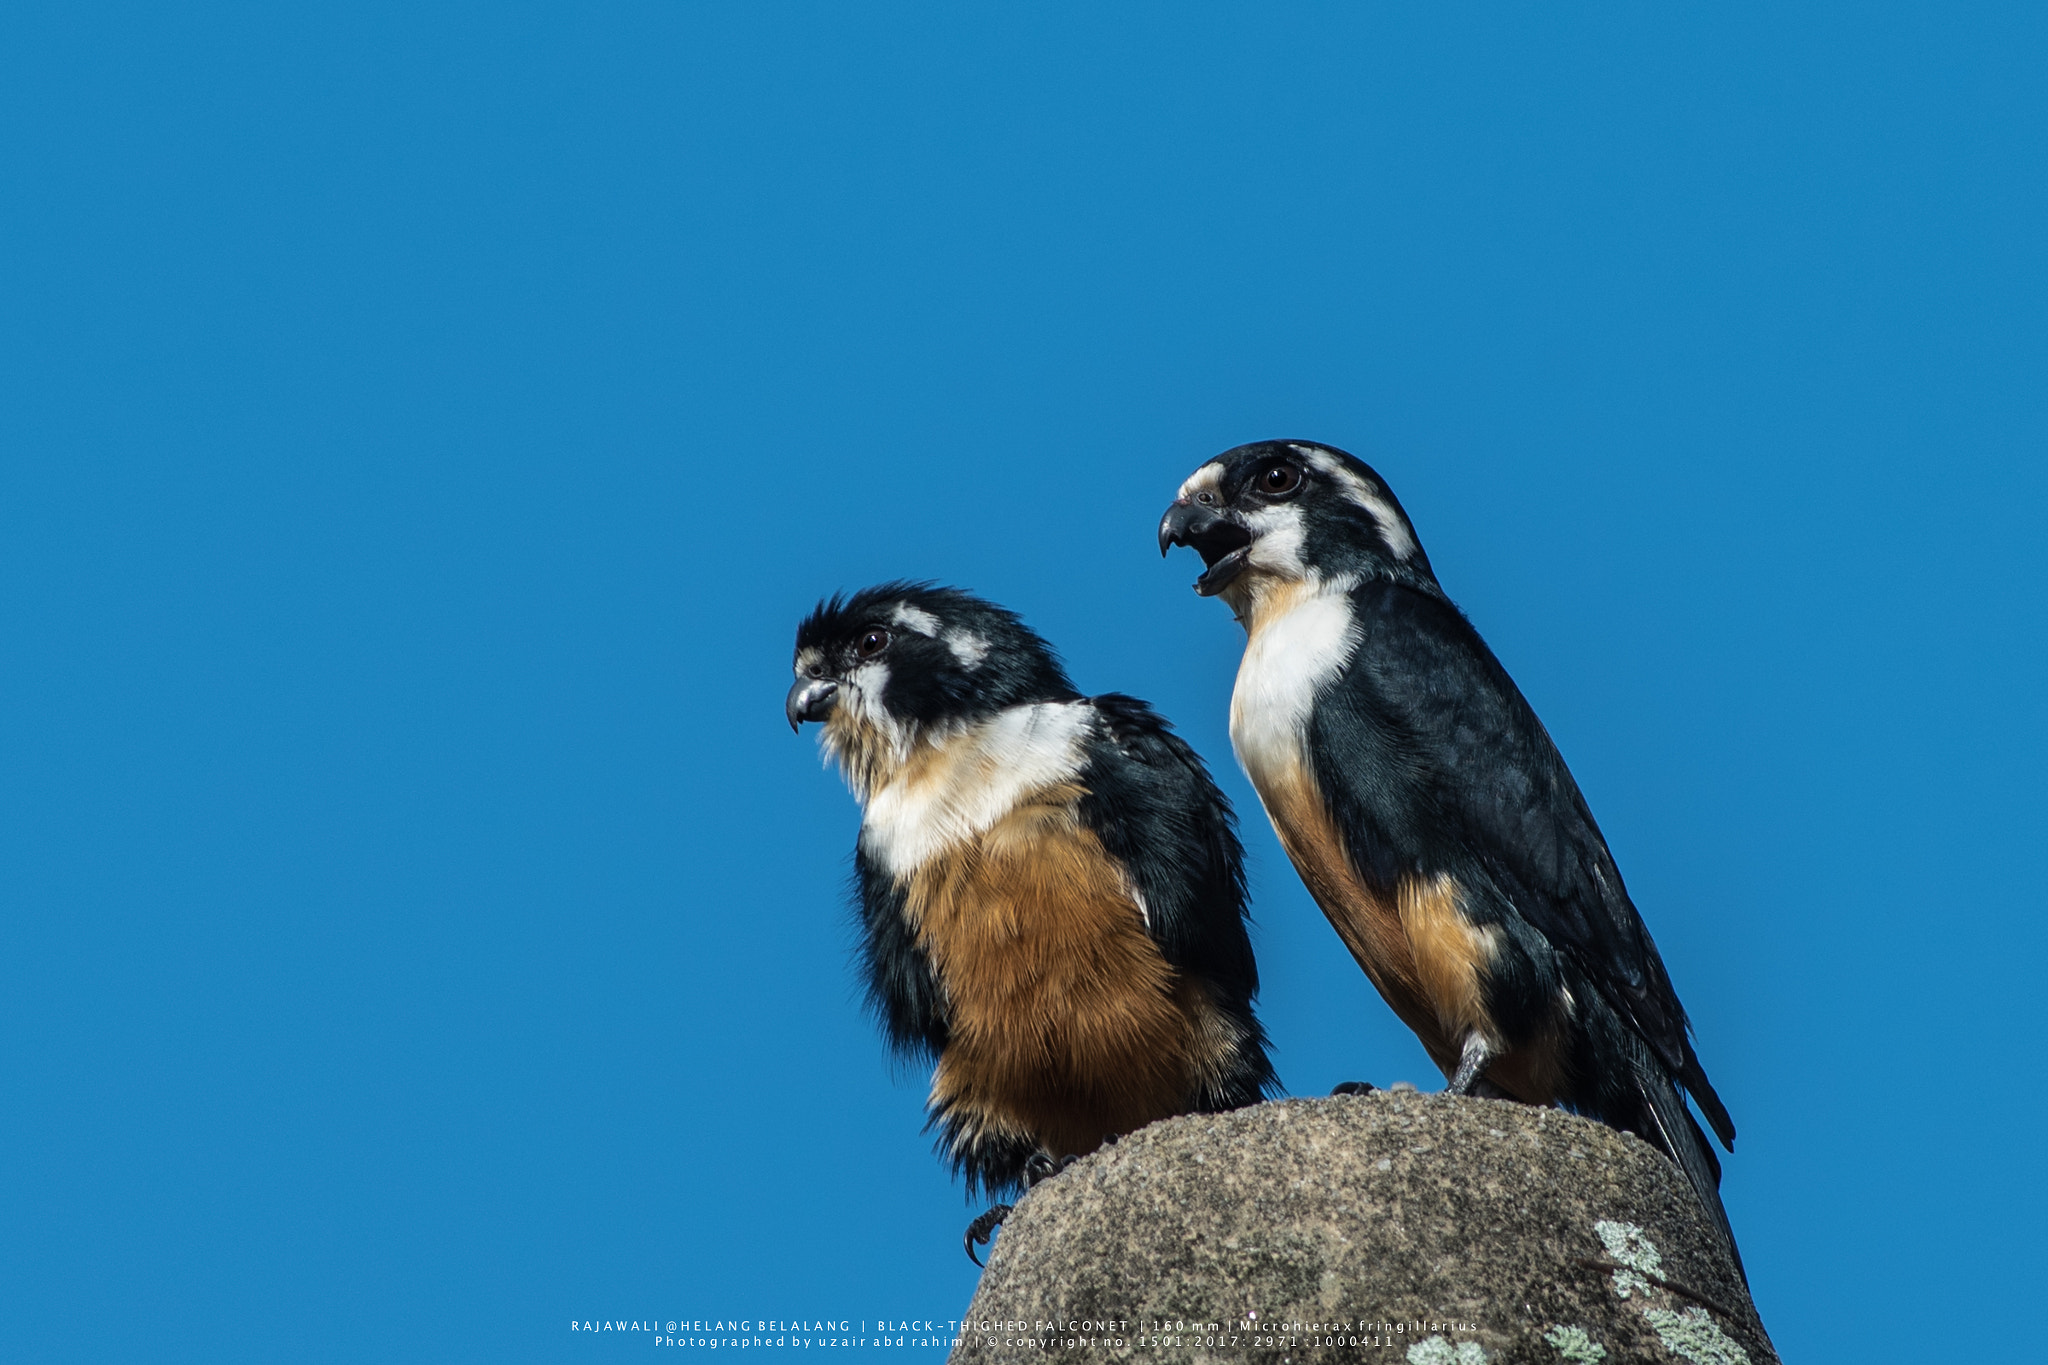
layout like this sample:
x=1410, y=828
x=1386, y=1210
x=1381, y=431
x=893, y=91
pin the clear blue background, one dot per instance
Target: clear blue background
x=423, y=427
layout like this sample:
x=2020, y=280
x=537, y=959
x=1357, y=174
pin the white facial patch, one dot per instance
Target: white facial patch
x=917, y=619
x=1288, y=658
x=1277, y=536
x=1393, y=527
x=970, y=649
x=1208, y=479
x=974, y=780
x=860, y=735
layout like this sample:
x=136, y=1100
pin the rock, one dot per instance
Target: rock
x=1396, y=1227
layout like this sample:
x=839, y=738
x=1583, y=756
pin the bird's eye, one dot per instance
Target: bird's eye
x=873, y=643
x=1280, y=479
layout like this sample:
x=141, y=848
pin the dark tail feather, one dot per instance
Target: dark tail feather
x=1681, y=1137
x=1694, y=1079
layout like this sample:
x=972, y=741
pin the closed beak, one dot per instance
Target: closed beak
x=810, y=699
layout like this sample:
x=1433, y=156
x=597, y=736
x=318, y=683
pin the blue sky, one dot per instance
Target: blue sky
x=421, y=428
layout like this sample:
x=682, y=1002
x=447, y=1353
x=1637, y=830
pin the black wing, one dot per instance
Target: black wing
x=1440, y=764
x=1157, y=812
x=902, y=989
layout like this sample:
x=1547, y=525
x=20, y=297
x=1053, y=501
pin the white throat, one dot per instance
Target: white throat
x=972, y=779
x=1299, y=636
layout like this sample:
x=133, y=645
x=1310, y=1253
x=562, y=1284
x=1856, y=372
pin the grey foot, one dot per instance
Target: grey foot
x=1042, y=1168
x=1471, y=1061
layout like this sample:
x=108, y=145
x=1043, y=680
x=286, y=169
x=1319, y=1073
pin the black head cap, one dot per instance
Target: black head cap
x=913, y=655
x=1292, y=508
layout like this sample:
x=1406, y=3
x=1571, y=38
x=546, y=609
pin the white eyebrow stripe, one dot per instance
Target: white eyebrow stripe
x=970, y=649
x=917, y=619
x=1207, y=479
x=1393, y=529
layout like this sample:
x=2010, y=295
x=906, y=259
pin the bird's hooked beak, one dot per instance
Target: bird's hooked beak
x=810, y=699
x=1221, y=541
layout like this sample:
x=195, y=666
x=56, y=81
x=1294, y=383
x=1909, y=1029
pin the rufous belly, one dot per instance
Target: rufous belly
x=1066, y=1024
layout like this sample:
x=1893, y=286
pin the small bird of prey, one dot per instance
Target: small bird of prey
x=1051, y=889
x=1427, y=809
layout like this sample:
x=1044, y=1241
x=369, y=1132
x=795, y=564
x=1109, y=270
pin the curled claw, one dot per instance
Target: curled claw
x=1041, y=1168
x=983, y=1228
x=1354, y=1088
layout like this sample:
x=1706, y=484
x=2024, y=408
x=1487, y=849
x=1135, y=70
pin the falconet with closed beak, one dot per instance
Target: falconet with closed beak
x=1427, y=809
x=1051, y=890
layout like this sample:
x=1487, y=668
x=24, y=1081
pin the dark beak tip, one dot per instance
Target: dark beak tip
x=1173, y=527
x=793, y=707
x=809, y=699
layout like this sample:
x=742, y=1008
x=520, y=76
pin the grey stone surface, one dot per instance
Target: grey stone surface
x=1396, y=1227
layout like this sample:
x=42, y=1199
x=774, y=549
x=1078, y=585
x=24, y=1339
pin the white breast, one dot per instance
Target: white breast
x=1291, y=652
x=972, y=780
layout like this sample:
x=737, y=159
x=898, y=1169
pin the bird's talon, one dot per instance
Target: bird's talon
x=1041, y=1168
x=983, y=1228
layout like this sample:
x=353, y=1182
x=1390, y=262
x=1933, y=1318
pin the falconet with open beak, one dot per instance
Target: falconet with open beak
x=1427, y=809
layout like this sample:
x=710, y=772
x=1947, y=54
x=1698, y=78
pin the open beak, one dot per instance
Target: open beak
x=810, y=699
x=1222, y=543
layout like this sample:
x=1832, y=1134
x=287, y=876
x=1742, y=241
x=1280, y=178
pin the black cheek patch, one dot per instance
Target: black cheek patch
x=925, y=684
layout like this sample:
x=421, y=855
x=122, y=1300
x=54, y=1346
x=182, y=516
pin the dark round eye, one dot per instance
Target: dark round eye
x=1279, y=479
x=873, y=643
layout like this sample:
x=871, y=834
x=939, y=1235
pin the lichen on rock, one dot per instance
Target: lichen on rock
x=1443, y=1230
x=1695, y=1335
x=1575, y=1345
x=1626, y=1243
x=1692, y=1333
